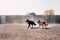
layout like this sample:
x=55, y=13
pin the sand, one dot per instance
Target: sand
x=21, y=32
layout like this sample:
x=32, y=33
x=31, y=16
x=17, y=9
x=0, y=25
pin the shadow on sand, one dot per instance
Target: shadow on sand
x=46, y=28
x=38, y=27
x=34, y=27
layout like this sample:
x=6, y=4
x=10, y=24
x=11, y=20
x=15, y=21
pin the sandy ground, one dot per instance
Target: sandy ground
x=21, y=32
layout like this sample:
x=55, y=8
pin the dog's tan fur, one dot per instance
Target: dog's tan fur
x=43, y=24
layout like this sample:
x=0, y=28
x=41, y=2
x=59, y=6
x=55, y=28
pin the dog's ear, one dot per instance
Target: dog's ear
x=38, y=21
x=27, y=20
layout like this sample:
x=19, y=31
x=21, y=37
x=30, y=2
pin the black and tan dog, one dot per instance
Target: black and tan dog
x=43, y=24
x=30, y=23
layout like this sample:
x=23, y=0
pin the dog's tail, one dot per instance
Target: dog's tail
x=46, y=24
x=34, y=23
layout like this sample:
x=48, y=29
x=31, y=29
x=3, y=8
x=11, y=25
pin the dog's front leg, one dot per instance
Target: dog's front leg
x=28, y=25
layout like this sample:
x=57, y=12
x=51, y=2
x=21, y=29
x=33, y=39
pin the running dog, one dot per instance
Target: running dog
x=43, y=24
x=30, y=23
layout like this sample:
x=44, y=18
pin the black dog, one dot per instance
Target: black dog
x=30, y=23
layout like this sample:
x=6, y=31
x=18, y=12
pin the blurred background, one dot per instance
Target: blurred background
x=4, y=19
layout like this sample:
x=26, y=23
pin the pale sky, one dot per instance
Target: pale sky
x=22, y=7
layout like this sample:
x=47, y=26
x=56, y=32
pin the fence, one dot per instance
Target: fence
x=21, y=18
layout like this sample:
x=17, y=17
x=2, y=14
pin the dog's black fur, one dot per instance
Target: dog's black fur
x=30, y=23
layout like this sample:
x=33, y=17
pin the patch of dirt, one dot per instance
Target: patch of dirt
x=21, y=32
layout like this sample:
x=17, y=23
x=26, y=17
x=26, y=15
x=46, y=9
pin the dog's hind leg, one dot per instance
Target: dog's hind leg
x=32, y=26
x=46, y=25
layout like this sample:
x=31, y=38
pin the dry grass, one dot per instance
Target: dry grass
x=21, y=32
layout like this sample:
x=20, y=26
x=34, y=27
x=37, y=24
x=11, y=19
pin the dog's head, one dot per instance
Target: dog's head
x=27, y=20
x=38, y=21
